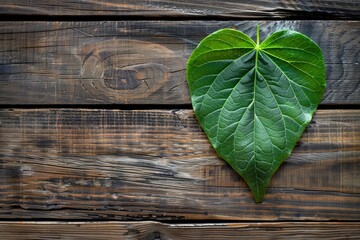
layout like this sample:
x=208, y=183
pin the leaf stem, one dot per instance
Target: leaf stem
x=258, y=35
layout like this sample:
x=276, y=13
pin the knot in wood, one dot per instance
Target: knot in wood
x=121, y=79
x=154, y=236
x=124, y=69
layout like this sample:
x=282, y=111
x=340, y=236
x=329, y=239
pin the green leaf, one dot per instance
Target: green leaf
x=255, y=100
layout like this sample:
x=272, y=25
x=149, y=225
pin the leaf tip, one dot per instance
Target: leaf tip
x=259, y=196
x=258, y=190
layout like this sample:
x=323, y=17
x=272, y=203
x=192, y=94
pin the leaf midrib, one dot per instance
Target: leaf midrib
x=254, y=132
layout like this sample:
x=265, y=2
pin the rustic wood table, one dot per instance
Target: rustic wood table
x=98, y=139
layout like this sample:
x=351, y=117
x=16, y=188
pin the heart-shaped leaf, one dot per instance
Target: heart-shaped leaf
x=255, y=100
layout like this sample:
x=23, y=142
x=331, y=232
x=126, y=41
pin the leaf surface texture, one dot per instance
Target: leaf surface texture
x=255, y=100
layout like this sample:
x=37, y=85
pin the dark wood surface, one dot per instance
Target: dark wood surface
x=75, y=166
x=157, y=164
x=143, y=62
x=155, y=230
x=242, y=9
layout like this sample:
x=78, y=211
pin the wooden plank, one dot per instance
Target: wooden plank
x=155, y=164
x=143, y=62
x=326, y=9
x=162, y=231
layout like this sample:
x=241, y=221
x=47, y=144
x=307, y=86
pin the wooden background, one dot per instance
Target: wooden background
x=98, y=139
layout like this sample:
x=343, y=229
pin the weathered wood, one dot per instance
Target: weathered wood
x=153, y=164
x=326, y=9
x=141, y=62
x=161, y=231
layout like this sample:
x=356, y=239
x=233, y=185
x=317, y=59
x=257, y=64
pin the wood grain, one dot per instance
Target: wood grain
x=161, y=231
x=326, y=9
x=156, y=164
x=143, y=62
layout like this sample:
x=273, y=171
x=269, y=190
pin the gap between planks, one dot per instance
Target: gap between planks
x=277, y=9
